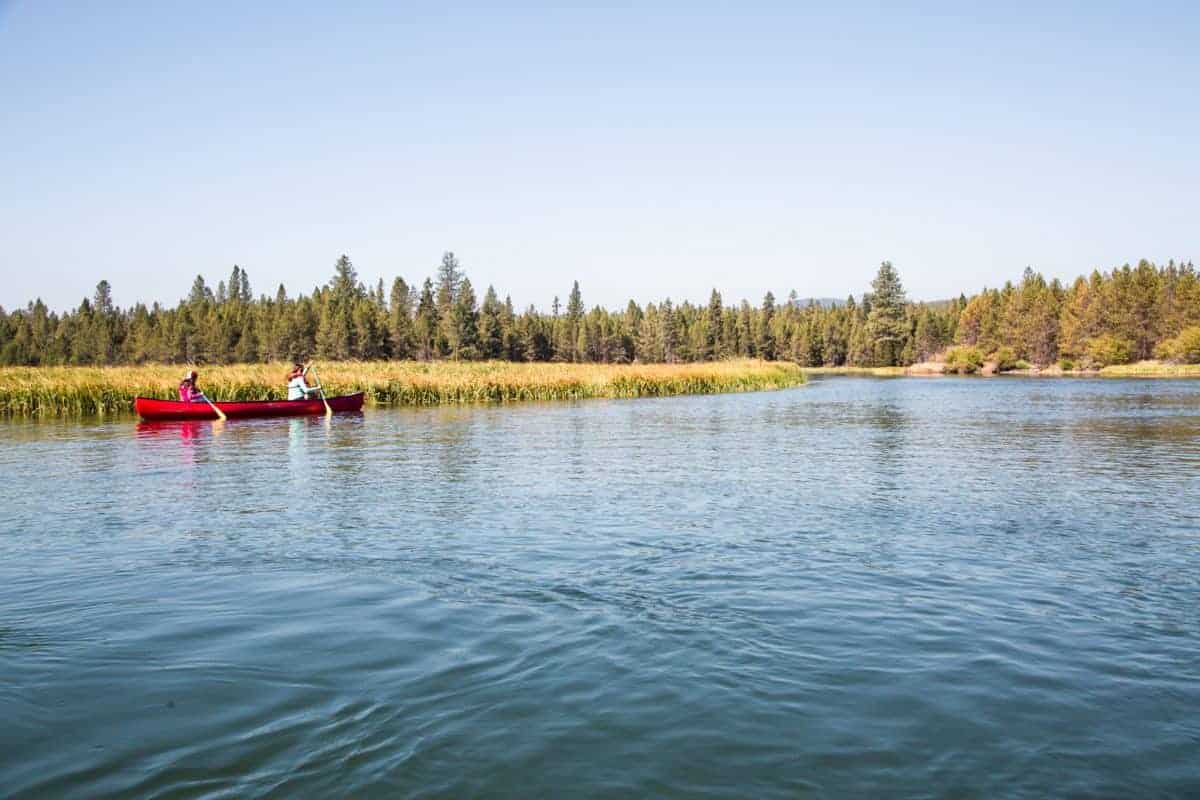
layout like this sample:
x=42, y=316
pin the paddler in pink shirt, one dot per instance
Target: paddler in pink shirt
x=188, y=392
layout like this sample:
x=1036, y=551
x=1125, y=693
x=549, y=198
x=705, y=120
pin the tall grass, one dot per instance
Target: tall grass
x=1151, y=369
x=85, y=391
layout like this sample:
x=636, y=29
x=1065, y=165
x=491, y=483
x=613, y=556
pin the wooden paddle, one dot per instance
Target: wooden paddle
x=220, y=414
x=321, y=389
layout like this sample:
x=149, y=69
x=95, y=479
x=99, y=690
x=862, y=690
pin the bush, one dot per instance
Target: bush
x=964, y=360
x=1006, y=359
x=1023, y=364
x=1106, y=350
x=1066, y=365
x=1183, y=349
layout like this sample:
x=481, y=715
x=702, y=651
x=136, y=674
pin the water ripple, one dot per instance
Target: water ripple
x=862, y=587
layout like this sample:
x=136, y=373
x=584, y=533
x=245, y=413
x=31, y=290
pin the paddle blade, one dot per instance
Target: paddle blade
x=220, y=414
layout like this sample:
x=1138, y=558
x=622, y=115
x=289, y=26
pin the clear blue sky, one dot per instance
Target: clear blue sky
x=646, y=150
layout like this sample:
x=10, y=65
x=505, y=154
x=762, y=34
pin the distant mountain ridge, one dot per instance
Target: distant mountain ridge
x=823, y=302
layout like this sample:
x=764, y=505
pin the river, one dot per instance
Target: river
x=861, y=587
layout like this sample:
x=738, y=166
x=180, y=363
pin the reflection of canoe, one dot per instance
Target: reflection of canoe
x=174, y=409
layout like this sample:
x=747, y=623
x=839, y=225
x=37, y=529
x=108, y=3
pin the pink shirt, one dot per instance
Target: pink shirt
x=189, y=393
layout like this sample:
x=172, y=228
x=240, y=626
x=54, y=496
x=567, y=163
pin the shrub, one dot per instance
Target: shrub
x=1105, y=350
x=964, y=360
x=1183, y=349
x=1006, y=359
x=1023, y=364
x=1066, y=365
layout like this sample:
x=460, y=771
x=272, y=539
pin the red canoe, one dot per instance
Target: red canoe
x=148, y=408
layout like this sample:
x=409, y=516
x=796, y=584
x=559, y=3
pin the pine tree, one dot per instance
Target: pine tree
x=861, y=347
x=333, y=333
x=712, y=337
x=513, y=349
x=650, y=347
x=816, y=342
x=336, y=331
x=885, y=322
x=246, y=351
x=491, y=330
x=465, y=319
x=427, y=324
x=234, y=287
x=928, y=338
x=450, y=278
x=1144, y=288
x=401, y=334
x=345, y=287
x=535, y=339
x=764, y=339
x=670, y=332
x=370, y=339
x=200, y=293
x=746, y=346
x=573, y=321
x=560, y=350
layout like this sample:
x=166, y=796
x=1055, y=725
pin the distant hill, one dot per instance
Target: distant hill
x=937, y=305
x=838, y=302
x=823, y=302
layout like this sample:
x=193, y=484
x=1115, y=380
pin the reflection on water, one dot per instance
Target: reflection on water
x=857, y=588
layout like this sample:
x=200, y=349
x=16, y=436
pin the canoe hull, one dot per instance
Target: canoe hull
x=148, y=408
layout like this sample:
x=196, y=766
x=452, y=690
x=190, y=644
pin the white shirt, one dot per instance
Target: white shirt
x=297, y=388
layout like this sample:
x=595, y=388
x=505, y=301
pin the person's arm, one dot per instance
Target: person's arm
x=309, y=391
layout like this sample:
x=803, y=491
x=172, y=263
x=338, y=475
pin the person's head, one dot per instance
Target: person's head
x=190, y=377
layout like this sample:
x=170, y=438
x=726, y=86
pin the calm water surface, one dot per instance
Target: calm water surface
x=966, y=588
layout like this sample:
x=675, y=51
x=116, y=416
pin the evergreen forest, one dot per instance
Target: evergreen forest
x=1124, y=314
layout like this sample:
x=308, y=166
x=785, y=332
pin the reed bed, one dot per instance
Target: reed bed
x=87, y=391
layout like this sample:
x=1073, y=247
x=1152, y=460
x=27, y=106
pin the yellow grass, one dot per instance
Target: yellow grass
x=876, y=371
x=1152, y=369
x=1142, y=369
x=80, y=391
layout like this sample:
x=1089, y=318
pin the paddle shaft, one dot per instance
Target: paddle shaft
x=321, y=389
x=220, y=414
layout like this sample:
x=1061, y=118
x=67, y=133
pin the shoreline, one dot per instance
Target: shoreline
x=1141, y=369
x=66, y=392
x=78, y=392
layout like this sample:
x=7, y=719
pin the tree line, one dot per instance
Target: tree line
x=1119, y=315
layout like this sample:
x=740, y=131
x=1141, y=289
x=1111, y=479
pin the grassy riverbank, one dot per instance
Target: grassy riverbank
x=1152, y=369
x=1140, y=369
x=879, y=372
x=82, y=391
